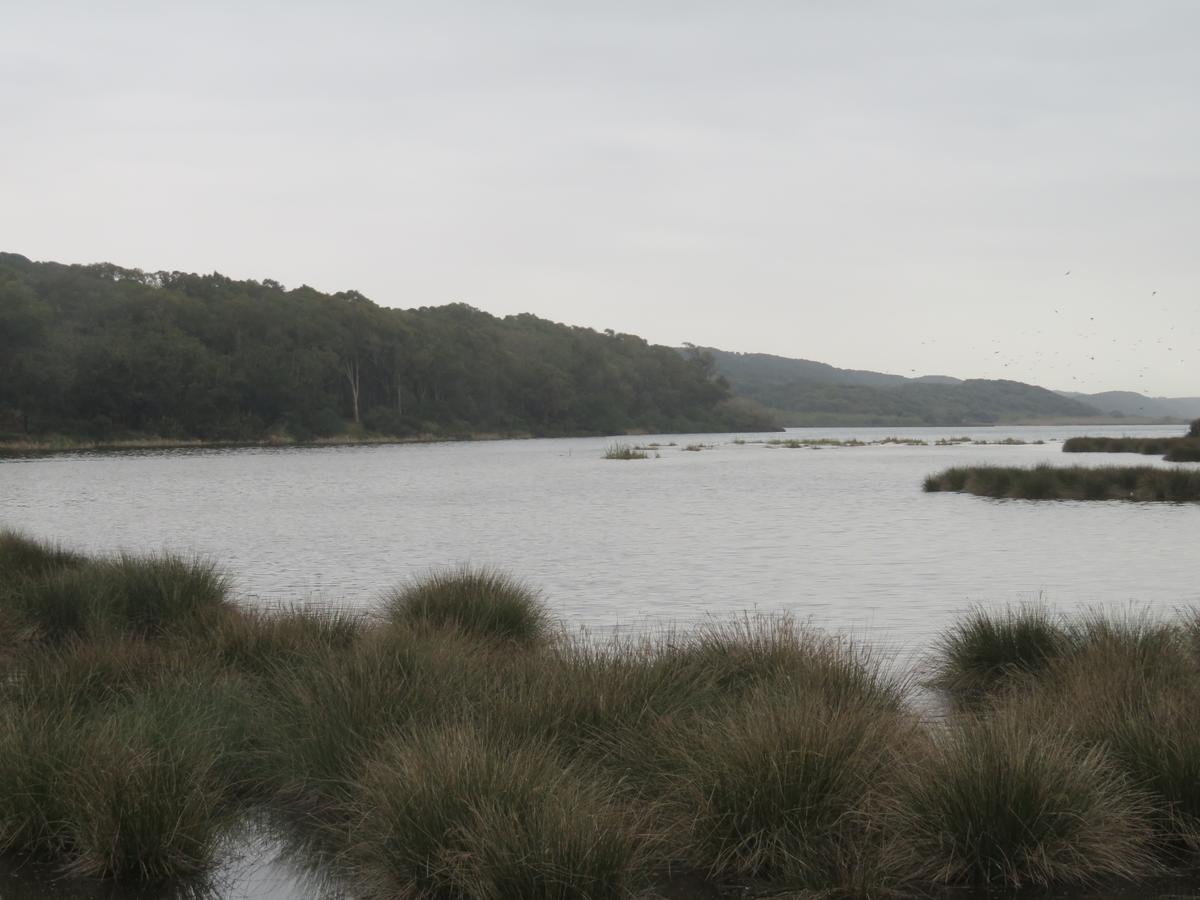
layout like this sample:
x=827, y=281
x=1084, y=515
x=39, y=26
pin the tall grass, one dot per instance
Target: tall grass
x=984, y=652
x=23, y=557
x=455, y=745
x=478, y=602
x=145, y=596
x=457, y=812
x=783, y=786
x=996, y=801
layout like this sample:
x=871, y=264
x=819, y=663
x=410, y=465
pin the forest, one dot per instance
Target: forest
x=100, y=352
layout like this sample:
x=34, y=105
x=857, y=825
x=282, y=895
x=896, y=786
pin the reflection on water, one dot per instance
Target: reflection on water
x=255, y=865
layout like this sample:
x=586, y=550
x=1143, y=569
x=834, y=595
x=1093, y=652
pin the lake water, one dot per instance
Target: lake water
x=842, y=536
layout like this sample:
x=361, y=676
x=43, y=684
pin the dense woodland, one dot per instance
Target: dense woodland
x=101, y=352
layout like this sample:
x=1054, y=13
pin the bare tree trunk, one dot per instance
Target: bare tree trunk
x=350, y=369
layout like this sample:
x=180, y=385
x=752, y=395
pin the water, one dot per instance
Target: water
x=842, y=536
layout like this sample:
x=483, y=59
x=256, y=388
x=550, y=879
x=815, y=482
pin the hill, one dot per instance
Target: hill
x=803, y=392
x=101, y=352
x=1128, y=403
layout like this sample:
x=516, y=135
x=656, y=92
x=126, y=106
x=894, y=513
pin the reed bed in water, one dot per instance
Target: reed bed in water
x=1185, y=448
x=456, y=745
x=1136, y=483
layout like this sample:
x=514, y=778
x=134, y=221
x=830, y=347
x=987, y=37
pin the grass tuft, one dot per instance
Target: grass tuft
x=986, y=652
x=996, y=801
x=456, y=812
x=480, y=603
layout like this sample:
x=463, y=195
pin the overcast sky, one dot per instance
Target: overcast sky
x=900, y=186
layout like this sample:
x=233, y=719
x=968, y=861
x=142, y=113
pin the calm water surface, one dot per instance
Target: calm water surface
x=843, y=536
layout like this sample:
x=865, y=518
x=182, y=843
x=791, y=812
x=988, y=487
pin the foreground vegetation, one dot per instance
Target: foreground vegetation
x=104, y=355
x=453, y=744
x=1045, y=482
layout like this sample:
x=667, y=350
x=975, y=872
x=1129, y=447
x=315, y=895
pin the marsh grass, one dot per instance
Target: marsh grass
x=479, y=602
x=1172, y=449
x=1155, y=446
x=146, y=596
x=129, y=788
x=25, y=557
x=323, y=719
x=986, y=652
x=781, y=787
x=458, y=812
x=996, y=801
x=455, y=745
x=1044, y=482
x=264, y=642
x=150, y=799
x=624, y=451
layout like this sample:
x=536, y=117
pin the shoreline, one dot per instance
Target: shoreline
x=63, y=444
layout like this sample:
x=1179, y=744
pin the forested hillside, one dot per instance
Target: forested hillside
x=809, y=393
x=103, y=352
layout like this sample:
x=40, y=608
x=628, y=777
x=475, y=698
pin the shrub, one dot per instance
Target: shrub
x=482, y=603
x=997, y=801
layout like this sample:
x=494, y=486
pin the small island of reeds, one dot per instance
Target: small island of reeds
x=1185, y=448
x=455, y=742
x=1046, y=482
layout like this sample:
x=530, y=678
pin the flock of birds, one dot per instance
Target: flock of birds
x=1044, y=349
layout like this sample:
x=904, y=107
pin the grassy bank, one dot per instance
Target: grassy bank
x=1138, y=483
x=454, y=743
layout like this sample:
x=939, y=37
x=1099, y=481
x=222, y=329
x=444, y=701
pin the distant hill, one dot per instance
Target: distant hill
x=1128, y=403
x=804, y=392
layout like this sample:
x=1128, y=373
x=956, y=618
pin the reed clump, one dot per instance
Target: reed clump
x=1143, y=484
x=984, y=653
x=479, y=602
x=994, y=801
x=1173, y=449
x=461, y=812
x=624, y=451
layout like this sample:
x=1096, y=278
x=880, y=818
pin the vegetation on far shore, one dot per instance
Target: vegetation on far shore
x=1047, y=482
x=455, y=743
x=101, y=354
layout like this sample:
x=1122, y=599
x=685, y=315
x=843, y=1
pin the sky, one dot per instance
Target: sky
x=980, y=189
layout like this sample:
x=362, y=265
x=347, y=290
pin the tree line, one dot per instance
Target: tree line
x=100, y=352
